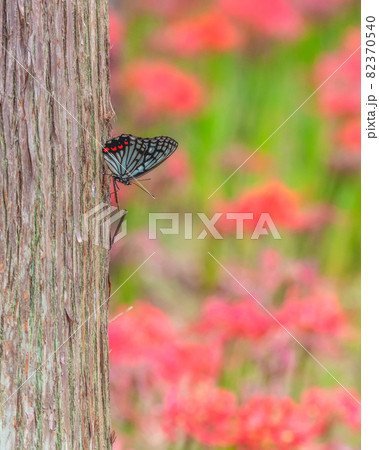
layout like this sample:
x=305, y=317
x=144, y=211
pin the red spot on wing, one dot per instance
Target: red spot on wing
x=120, y=146
x=126, y=142
x=114, y=148
x=106, y=149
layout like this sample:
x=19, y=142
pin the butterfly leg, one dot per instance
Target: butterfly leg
x=117, y=228
x=116, y=188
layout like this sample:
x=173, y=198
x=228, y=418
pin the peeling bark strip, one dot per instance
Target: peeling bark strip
x=50, y=174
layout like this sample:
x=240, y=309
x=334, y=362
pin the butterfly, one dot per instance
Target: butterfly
x=129, y=157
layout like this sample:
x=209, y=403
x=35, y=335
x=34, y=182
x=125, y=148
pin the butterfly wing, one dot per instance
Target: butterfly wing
x=129, y=157
x=157, y=150
x=123, y=153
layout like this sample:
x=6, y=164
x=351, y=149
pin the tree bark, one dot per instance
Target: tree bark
x=54, y=115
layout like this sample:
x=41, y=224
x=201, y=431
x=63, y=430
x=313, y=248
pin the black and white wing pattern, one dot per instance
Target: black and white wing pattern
x=130, y=157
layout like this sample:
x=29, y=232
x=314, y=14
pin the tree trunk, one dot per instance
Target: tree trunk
x=54, y=115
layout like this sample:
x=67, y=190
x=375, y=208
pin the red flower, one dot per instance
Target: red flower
x=243, y=319
x=212, y=31
x=141, y=334
x=269, y=422
x=341, y=94
x=318, y=313
x=275, y=18
x=316, y=404
x=207, y=414
x=137, y=341
x=210, y=415
x=144, y=338
x=188, y=361
x=199, y=360
x=275, y=198
x=326, y=406
x=163, y=89
x=349, y=136
x=349, y=409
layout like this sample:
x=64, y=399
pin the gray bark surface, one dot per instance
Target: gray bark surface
x=54, y=114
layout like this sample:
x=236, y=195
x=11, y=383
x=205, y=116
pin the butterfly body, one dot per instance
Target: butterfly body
x=121, y=180
x=129, y=157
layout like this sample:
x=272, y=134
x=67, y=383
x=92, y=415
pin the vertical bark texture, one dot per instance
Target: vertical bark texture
x=54, y=388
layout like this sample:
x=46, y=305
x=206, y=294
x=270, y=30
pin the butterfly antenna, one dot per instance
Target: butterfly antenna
x=144, y=189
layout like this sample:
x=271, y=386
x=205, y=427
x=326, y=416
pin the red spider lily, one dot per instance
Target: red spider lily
x=211, y=31
x=163, y=89
x=243, y=319
x=145, y=338
x=185, y=361
x=317, y=406
x=326, y=406
x=319, y=313
x=279, y=201
x=198, y=360
x=269, y=422
x=211, y=416
x=149, y=353
x=341, y=94
x=275, y=18
x=349, y=136
x=348, y=408
x=140, y=335
x=207, y=414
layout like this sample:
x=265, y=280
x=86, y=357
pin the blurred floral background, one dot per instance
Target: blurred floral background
x=198, y=363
